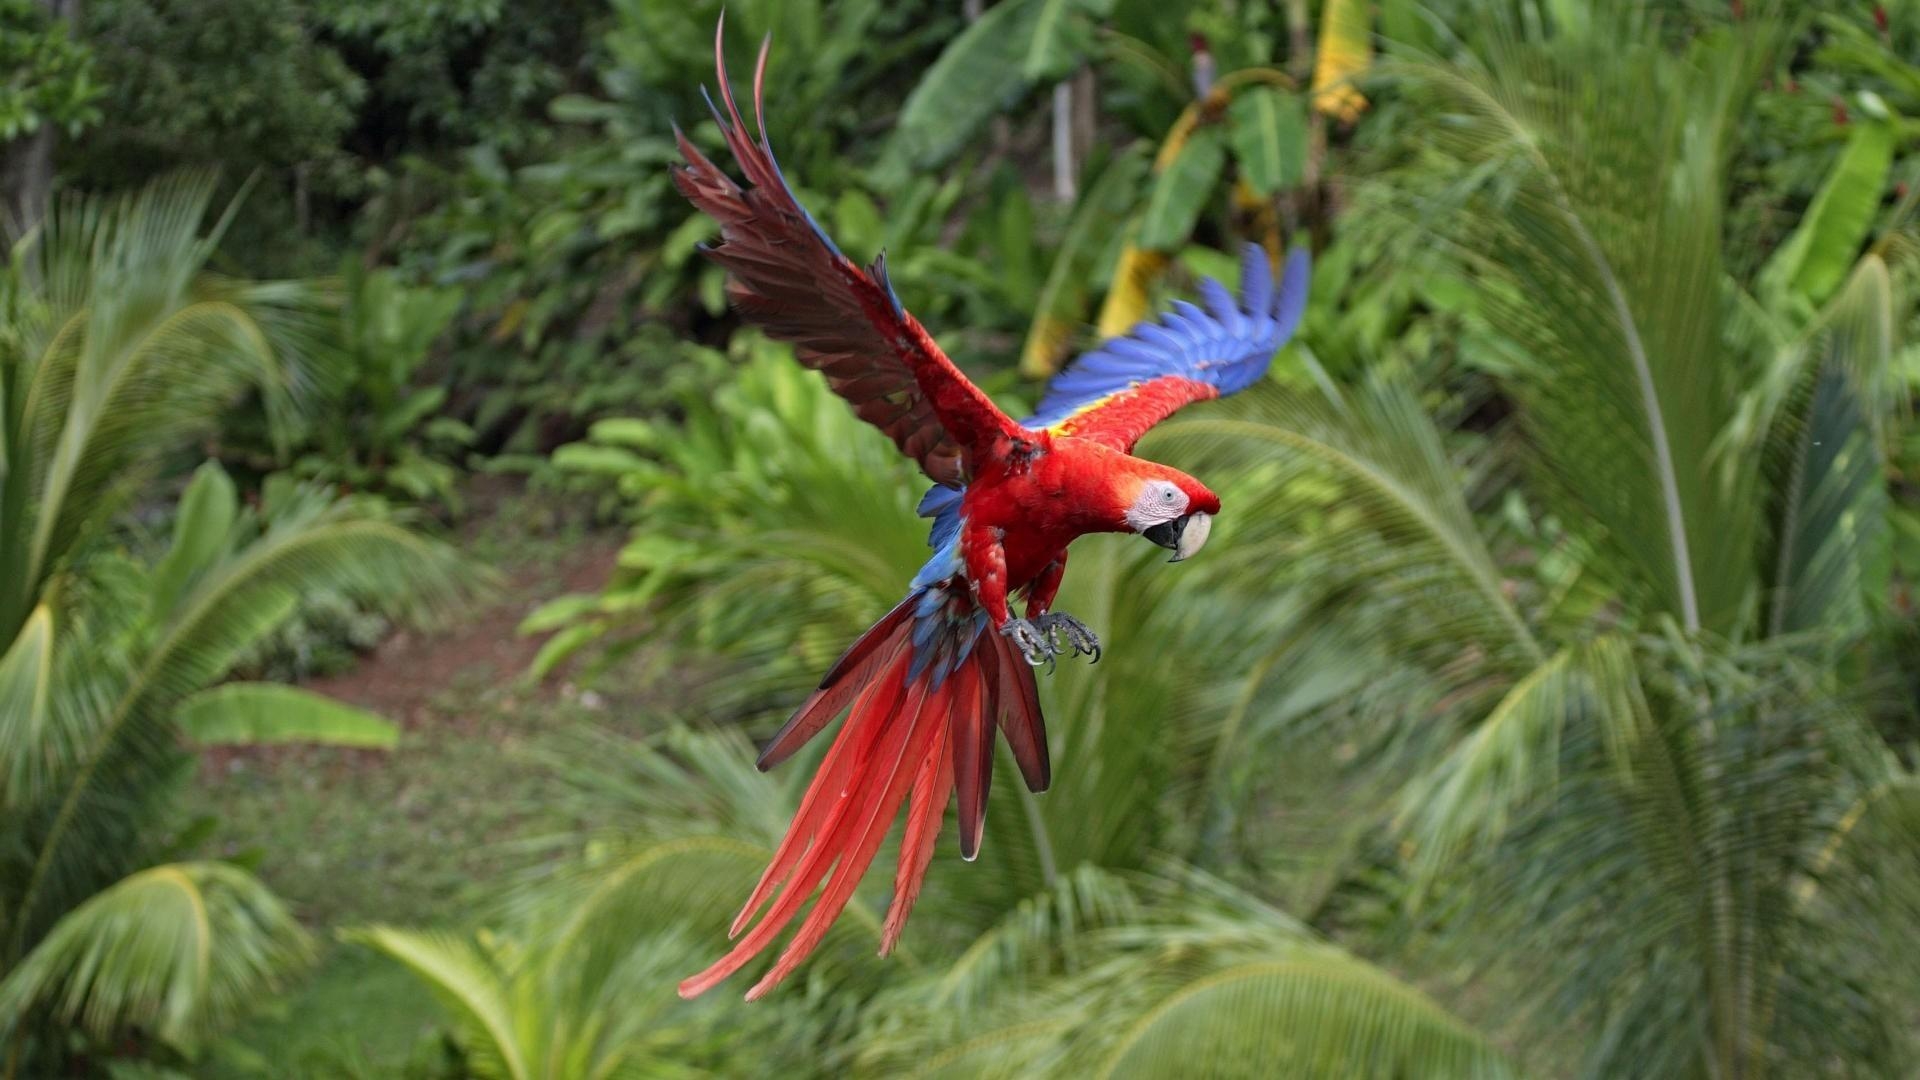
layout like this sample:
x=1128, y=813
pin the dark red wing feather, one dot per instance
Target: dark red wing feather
x=789, y=279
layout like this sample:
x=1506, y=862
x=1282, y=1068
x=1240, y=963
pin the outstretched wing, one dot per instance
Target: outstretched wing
x=1117, y=392
x=788, y=278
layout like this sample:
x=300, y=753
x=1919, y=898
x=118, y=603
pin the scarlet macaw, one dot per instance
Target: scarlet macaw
x=926, y=683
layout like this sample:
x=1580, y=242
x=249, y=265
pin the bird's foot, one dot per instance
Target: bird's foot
x=1031, y=642
x=1076, y=635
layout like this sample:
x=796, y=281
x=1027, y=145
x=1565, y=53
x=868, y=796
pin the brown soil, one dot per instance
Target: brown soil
x=483, y=647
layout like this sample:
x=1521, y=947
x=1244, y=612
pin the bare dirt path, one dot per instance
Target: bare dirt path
x=404, y=675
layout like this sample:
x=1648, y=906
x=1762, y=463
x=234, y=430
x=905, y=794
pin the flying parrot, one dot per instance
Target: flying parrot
x=924, y=688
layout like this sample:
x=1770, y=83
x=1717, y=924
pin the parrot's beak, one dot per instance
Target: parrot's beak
x=1184, y=536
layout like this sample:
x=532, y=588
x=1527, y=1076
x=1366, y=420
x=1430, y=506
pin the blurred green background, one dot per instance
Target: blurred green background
x=402, y=547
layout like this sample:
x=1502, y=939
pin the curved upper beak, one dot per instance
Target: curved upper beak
x=1184, y=536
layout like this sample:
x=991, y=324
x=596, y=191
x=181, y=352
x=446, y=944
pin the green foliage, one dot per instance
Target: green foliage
x=1183, y=190
x=253, y=714
x=114, y=348
x=176, y=950
x=376, y=427
x=1269, y=134
x=981, y=73
x=1554, y=663
x=1615, y=791
x=1247, y=115
x=199, y=83
x=118, y=348
x=767, y=456
x=460, y=72
x=1086, y=250
x=1821, y=250
x=50, y=78
x=580, y=265
x=1606, y=658
x=1820, y=102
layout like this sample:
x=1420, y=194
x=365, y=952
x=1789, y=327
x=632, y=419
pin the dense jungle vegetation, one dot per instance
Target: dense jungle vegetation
x=403, y=548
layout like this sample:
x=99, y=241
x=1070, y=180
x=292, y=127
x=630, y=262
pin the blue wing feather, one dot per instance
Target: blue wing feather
x=1256, y=279
x=1227, y=344
x=1292, y=304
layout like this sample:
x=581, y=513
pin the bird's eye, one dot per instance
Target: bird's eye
x=1169, y=495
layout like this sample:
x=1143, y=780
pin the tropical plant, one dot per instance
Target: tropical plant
x=757, y=555
x=576, y=977
x=1214, y=93
x=1851, y=84
x=247, y=86
x=1094, y=968
x=767, y=455
x=49, y=88
x=53, y=74
x=1609, y=661
x=116, y=348
x=580, y=263
x=1661, y=762
x=376, y=428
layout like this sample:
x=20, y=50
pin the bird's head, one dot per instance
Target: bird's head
x=1168, y=507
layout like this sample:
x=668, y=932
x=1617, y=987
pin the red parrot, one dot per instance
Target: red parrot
x=924, y=688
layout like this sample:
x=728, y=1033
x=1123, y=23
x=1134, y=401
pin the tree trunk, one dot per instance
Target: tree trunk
x=26, y=177
x=1063, y=163
x=1086, y=113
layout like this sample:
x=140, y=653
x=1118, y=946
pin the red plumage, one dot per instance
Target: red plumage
x=926, y=686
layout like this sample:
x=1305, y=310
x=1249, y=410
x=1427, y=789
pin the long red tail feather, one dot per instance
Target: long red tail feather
x=907, y=732
x=972, y=758
x=845, y=678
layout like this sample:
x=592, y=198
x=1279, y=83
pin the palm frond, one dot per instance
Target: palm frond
x=1207, y=982
x=125, y=348
x=1319, y=1016
x=467, y=979
x=177, y=950
x=202, y=533
x=125, y=747
x=26, y=691
x=1696, y=805
x=1596, y=222
x=1511, y=757
x=1822, y=416
x=1358, y=486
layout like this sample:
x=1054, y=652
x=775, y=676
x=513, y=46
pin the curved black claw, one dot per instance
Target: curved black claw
x=1078, y=637
x=1031, y=642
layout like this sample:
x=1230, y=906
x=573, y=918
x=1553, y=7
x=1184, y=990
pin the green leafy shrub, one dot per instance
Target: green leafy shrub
x=377, y=427
x=116, y=347
x=50, y=75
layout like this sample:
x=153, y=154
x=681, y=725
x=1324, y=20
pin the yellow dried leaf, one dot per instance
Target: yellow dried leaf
x=1049, y=341
x=1132, y=290
x=1346, y=51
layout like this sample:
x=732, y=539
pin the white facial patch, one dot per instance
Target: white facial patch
x=1159, y=502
